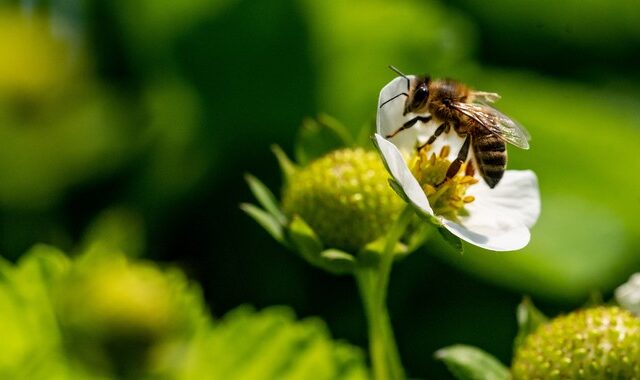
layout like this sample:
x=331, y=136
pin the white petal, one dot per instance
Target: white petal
x=628, y=294
x=494, y=235
x=499, y=218
x=391, y=113
x=516, y=197
x=400, y=172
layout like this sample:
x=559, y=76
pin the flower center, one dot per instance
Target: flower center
x=446, y=195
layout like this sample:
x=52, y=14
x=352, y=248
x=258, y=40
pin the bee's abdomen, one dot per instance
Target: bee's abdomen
x=491, y=155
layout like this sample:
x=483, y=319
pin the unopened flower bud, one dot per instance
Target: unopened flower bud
x=344, y=197
x=597, y=343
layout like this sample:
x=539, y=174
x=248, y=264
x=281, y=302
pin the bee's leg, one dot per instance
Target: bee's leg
x=462, y=156
x=435, y=135
x=410, y=123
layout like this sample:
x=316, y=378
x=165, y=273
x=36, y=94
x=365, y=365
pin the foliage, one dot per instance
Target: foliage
x=101, y=315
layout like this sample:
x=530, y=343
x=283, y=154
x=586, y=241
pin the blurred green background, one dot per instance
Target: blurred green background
x=136, y=120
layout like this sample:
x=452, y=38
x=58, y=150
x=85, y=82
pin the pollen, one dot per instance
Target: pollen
x=447, y=196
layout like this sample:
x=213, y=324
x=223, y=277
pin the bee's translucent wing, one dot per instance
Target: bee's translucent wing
x=485, y=97
x=496, y=122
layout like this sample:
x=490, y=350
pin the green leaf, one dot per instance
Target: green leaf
x=453, y=241
x=352, y=47
x=271, y=344
x=471, y=363
x=317, y=138
x=61, y=318
x=266, y=198
x=529, y=319
x=32, y=346
x=287, y=167
x=266, y=220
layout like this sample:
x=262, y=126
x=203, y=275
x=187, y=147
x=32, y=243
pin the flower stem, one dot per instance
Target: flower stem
x=373, y=283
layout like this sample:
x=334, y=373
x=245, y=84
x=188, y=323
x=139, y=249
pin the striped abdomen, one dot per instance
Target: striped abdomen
x=491, y=155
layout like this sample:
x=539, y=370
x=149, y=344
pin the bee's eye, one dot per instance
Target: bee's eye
x=419, y=96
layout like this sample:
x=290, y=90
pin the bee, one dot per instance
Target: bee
x=453, y=105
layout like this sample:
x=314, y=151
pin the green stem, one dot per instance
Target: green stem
x=373, y=283
x=367, y=279
x=386, y=261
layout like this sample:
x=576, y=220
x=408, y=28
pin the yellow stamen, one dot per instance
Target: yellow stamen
x=446, y=195
x=468, y=180
x=428, y=189
x=444, y=152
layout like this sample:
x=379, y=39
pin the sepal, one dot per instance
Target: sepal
x=453, y=241
x=471, y=363
x=306, y=242
x=319, y=137
x=267, y=221
x=266, y=198
x=287, y=167
x=529, y=319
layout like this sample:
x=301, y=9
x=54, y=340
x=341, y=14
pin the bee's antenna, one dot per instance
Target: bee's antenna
x=388, y=100
x=402, y=75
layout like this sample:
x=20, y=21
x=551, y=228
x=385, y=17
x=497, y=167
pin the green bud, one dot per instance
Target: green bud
x=597, y=343
x=118, y=316
x=344, y=197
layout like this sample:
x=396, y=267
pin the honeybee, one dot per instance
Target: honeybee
x=454, y=105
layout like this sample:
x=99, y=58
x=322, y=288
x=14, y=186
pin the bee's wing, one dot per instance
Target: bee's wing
x=485, y=97
x=496, y=122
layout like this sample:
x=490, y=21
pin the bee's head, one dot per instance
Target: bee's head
x=417, y=99
x=417, y=93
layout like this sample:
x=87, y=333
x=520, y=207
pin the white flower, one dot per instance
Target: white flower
x=498, y=219
x=628, y=294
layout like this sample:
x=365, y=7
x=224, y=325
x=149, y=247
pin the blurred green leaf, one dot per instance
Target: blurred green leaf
x=126, y=318
x=32, y=346
x=267, y=221
x=270, y=344
x=363, y=136
x=119, y=229
x=471, y=363
x=319, y=137
x=529, y=319
x=174, y=159
x=152, y=28
x=266, y=198
x=353, y=44
x=571, y=37
x=100, y=303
